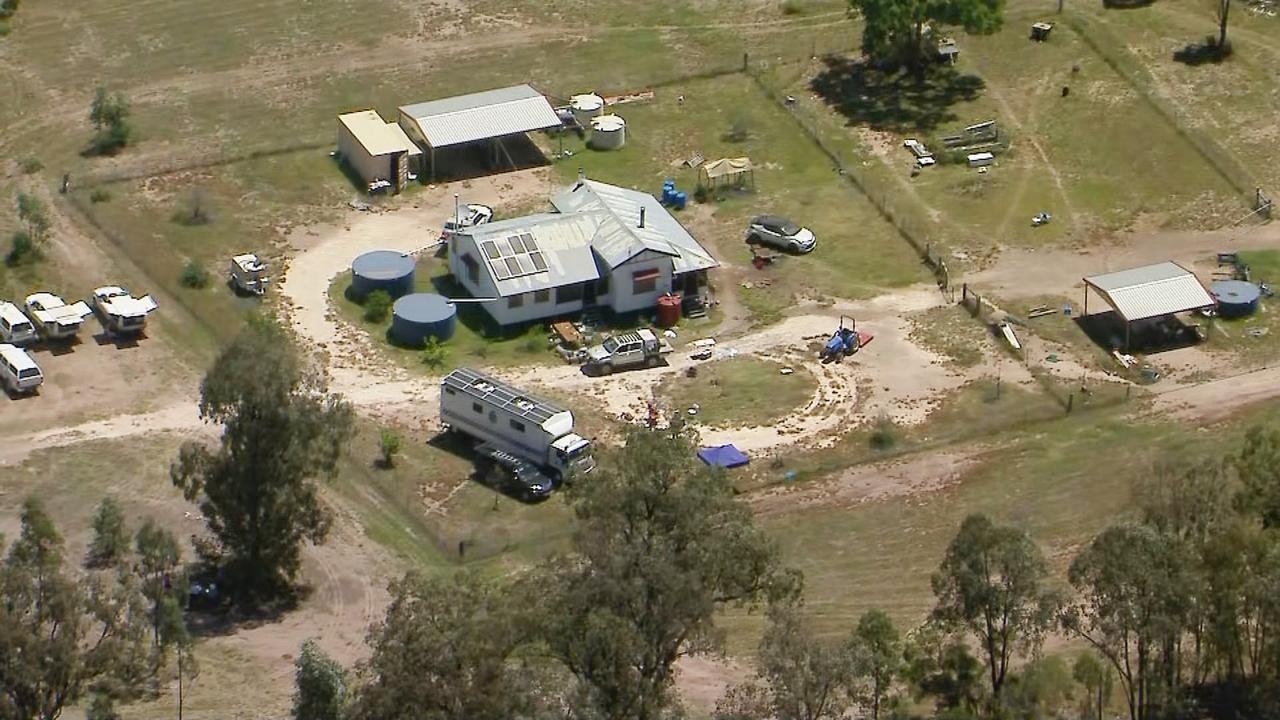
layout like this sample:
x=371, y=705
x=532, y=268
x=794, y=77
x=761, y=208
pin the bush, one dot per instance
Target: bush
x=24, y=250
x=4, y=28
x=194, y=275
x=791, y=7
x=32, y=165
x=377, y=306
x=534, y=341
x=110, y=117
x=434, y=354
x=195, y=211
x=885, y=434
x=8, y=8
x=99, y=195
x=389, y=444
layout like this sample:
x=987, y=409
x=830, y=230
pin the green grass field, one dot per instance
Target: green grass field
x=741, y=391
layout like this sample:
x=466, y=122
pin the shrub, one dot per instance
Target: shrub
x=4, y=28
x=32, y=165
x=791, y=7
x=434, y=354
x=24, y=250
x=885, y=434
x=195, y=211
x=389, y=444
x=377, y=306
x=194, y=275
x=99, y=195
x=534, y=341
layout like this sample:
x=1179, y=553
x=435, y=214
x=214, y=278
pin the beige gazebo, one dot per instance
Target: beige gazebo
x=727, y=172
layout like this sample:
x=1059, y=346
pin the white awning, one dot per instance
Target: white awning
x=481, y=116
x=1151, y=291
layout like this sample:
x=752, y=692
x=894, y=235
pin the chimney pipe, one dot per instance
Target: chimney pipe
x=582, y=174
x=642, y=216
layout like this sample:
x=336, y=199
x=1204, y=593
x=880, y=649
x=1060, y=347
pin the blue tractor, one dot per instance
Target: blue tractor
x=846, y=340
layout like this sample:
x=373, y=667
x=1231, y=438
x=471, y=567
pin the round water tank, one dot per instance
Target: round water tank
x=585, y=107
x=416, y=317
x=1236, y=298
x=669, y=310
x=608, y=132
x=387, y=270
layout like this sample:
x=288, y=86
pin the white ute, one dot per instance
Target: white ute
x=639, y=348
x=120, y=312
x=249, y=274
x=56, y=319
x=15, y=328
x=18, y=372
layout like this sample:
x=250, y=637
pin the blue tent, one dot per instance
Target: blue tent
x=723, y=456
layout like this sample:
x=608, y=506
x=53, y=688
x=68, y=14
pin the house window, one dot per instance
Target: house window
x=473, y=268
x=541, y=296
x=568, y=294
x=516, y=301
x=517, y=426
x=477, y=408
x=644, y=281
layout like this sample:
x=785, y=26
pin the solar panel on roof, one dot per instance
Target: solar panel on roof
x=513, y=264
x=501, y=271
x=526, y=267
x=504, y=247
x=529, y=243
x=516, y=244
x=539, y=263
x=490, y=250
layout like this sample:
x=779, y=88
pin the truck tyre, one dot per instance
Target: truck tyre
x=651, y=362
x=606, y=369
x=753, y=239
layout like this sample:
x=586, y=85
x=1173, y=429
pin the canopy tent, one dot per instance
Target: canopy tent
x=736, y=172
x=723, y=456
x=1149, y=291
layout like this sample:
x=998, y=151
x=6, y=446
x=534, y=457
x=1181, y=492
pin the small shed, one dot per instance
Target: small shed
x=1150, y=291
x=378, y=151
x=1040, y=31
x=727, y=172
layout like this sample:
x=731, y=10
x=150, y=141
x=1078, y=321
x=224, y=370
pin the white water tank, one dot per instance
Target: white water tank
x=608, y=132
x=585, y=107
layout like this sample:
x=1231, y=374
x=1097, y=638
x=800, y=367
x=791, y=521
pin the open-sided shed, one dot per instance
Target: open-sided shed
x=484, y=117
x=1150, y=291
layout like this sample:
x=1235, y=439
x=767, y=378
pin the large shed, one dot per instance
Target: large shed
x=488, y=117
x=378, y=151
x=1150, y=291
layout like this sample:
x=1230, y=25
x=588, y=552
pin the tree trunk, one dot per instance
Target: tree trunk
x=1224, y=9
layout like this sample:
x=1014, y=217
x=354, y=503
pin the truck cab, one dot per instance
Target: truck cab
x=571, y=456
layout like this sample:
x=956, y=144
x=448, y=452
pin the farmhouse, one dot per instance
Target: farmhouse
x=604, y=247
x=487, y=121
x=378, y=151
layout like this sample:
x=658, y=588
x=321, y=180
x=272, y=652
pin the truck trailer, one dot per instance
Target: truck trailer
x=529, y=439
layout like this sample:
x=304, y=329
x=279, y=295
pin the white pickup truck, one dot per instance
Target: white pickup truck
x=638, y=348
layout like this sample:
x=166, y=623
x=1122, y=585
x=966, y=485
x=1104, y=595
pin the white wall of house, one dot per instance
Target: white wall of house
x=527, y=307
x=625, y=297
x=369, y=167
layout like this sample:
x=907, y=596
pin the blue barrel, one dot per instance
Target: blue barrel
x=680, y=199
x=416, y=317
x=387, y=270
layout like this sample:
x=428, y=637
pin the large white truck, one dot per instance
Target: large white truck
x=529, y=440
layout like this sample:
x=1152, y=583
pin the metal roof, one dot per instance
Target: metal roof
x=619, y=236
x=564, y=242
x=476, y=384
x=377, y=136
x=483, y=115
x=1151, y=291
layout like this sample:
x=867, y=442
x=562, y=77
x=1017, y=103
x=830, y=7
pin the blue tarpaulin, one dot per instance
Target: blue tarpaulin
x=724, y=456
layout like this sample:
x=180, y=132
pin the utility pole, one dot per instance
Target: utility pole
x=179, y=681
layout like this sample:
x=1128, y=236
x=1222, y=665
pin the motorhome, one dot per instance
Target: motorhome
x=531, y=438
x=18, y=372
x=249, y=274
x=15, y=327
x=56, y=319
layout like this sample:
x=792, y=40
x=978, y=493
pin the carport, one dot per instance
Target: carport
x=488, y=117
x=1150, y=291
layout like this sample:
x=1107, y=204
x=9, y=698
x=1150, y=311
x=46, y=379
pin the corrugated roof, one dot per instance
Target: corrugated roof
x=620, y=237
x=1151, y=291
x=482, y=115
x=377, y=136
x=564, y=242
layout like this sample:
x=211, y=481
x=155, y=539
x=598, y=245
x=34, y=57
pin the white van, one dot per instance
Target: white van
x=18, y=372
x=15, y=327
x=982, y=159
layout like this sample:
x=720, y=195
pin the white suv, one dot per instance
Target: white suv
x=15, y=327
x=781, y=233
x=18, y=372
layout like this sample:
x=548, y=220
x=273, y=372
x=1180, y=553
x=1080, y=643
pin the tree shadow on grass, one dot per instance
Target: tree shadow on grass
x=1202, y=53
x=895, y=100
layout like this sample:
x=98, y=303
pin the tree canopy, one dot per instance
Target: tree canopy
x=907, y=31
x=257, y=490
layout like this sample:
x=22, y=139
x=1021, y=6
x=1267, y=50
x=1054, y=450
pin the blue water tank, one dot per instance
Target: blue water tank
x=416, y=317
x=680, y=199
x=1236, y=298
x=387, y=270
